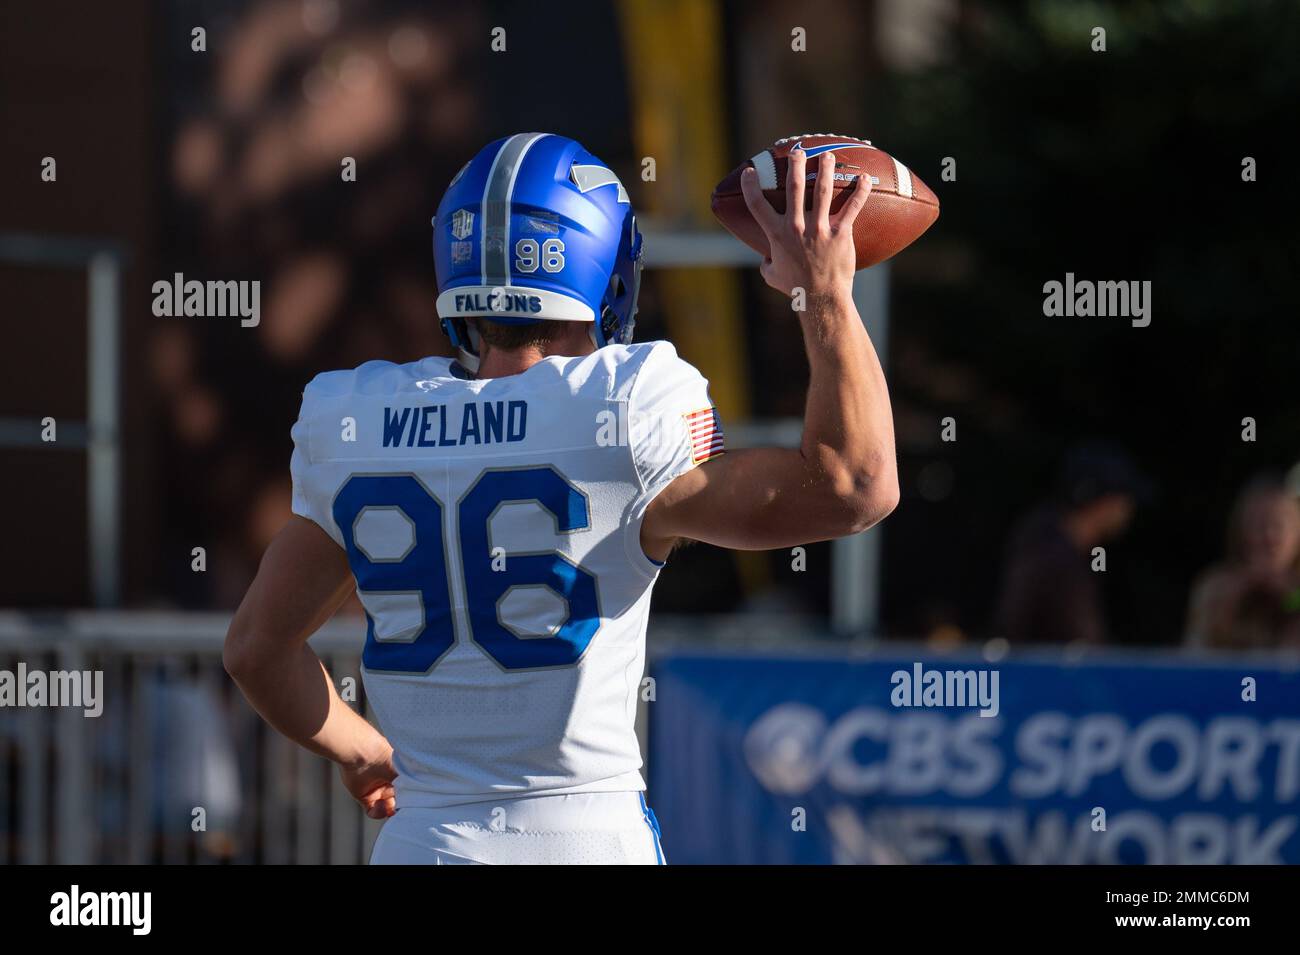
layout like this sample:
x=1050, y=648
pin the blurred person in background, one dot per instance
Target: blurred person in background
x=1050, y=592
x=1251, y=600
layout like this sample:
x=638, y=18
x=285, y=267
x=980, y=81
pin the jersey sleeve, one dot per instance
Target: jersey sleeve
x=673, y=427
x=309, y=495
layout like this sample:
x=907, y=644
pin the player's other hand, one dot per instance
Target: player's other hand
x=811, y=250
x=370, y=781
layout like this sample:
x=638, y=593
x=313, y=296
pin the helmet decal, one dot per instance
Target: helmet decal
x=587, y=178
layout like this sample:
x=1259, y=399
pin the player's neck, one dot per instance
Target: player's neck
x=502, y=362
x=499, y=362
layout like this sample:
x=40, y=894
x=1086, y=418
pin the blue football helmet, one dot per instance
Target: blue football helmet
x=535, y=228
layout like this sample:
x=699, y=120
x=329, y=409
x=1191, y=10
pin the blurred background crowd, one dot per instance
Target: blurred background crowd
x=1070, y=433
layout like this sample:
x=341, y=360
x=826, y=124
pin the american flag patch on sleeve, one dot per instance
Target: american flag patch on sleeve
x=704, y=429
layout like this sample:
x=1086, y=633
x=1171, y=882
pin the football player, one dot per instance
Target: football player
x=503, y=517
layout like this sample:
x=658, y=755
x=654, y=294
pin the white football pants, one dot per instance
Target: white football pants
x=576, y=829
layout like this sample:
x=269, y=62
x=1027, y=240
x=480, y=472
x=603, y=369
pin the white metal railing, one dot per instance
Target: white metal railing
x=175, y=737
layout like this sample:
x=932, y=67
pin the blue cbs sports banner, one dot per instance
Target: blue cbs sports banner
x=810, y=760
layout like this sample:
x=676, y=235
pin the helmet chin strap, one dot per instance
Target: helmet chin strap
x=466, y=351
x=468, y=362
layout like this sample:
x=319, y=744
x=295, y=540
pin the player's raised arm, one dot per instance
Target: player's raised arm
x=843, y=478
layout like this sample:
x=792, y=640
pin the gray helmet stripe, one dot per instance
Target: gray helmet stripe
x=500, y=186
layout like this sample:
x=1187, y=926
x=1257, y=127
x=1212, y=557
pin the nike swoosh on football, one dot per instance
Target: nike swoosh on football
x=825, y=147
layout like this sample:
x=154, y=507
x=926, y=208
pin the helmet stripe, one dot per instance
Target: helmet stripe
x=483, y=211
x=497, y=191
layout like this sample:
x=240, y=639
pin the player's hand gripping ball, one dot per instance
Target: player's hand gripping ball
x=901, y=207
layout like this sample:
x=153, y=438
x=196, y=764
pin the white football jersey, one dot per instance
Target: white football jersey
x=493, y=527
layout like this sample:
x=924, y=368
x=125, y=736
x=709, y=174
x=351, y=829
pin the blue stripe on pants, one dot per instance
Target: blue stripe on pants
x=653, y=823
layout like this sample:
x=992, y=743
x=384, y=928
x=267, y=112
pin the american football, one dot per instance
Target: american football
x=899, y=211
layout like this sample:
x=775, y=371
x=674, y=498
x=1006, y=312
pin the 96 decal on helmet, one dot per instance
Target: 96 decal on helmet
x=536, y=228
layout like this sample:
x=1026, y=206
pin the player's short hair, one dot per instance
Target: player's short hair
x=509, y=337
